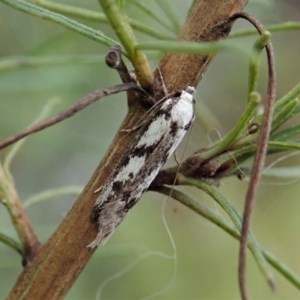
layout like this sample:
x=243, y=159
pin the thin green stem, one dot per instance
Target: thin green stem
x=283, y=173
x=119, y=22
x=281, y=117
x=51, y=193
x=168, y=10
x=150, y=13
x=295, y=111
x=47, y=109
x=284, y=145
x=254, y=61
x=99, y=17
x=282, y=109
x=283, y=269
x=193, y=47
x=237, y=220
x=286, y=133
x=29, y=241
x=192, y=6
x=237, y=130
x=84, y=30
x=9, y=63
x=247, y=144
x=292, y=94
x=11, y=243
x=272, y=28
x=200, y=209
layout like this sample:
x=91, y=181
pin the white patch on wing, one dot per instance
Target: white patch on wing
x=156, y=129
x=153, y=174
x=134, y=165
x=177, y=139
x=182, y=113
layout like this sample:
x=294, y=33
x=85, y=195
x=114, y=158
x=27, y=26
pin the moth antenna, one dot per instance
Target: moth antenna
x=197, y=97
x=240, y=169
x=163, y=82
x=189, y=90
x=143, y=257
x=176, y=159
x=209, y=136
x=140, y=124
x=278, y=160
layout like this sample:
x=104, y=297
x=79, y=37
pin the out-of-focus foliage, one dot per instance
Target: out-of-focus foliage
x=67, y=154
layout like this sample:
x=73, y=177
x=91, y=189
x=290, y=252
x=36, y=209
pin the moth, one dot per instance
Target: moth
x=155, y=142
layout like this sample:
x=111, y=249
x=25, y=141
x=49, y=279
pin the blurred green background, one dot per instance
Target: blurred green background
x=205, y=266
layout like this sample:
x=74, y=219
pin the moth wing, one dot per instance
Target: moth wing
x=146, y=155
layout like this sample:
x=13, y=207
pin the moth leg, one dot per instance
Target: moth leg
x=98, y=189
x=100, y=239
x=97, y=241
x=134, y=127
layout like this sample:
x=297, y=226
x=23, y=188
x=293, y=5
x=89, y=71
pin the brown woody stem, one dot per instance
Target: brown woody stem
x=54, y=270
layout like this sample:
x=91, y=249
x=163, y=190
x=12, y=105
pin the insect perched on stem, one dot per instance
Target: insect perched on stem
x=155, y=142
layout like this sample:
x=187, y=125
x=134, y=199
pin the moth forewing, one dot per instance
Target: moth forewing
x=154, y=144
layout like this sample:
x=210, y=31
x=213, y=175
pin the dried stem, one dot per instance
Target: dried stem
x=69, y=112
x=115, y=61
x=259, y=157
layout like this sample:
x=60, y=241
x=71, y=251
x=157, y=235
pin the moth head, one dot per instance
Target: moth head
x=187, y=94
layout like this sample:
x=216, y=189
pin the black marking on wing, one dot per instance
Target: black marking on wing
x=145, y=150
x=117, y=186
x=110, y=212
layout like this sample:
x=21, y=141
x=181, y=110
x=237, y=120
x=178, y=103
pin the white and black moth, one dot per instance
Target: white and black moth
x=155, y=142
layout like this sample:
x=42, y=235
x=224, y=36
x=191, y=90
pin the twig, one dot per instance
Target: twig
x=81, y=104
x=119, y=22
x=259, y=157
x=99, y=17
x=45, y=14
x=114, y=60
